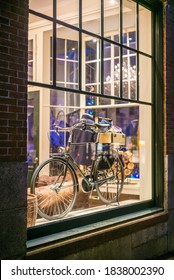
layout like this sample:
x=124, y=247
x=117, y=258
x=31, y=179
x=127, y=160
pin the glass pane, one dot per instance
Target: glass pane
x=41, y=54
x=117, y=89
x=67, y=57
x=91, y=49
x=132, y=39
x=103, y=101
x=91, y=73
x=145, y=78
x=145, y=152
x=30, y=49
x=116, y=50
x=129, y=73
x=72, y=72
x=91, y=16
x=60, y=48
x=107, y=49
x=107, y=88
x=72, y=50
x=68, y=11
x=107, y=71
x=60, y=71
x=116, y=69
x=112, y=17
x=72, y=99
x=57, y=140
x=73, y=116
x=45, y=7
x=129, y=20
x=30, y=71
x=145, y=30
x=57, y=97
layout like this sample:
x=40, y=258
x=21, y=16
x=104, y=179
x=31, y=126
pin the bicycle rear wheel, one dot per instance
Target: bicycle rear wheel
x=110, y=189
x=55, y=185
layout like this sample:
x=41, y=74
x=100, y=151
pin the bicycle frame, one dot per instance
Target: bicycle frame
x=69, y=159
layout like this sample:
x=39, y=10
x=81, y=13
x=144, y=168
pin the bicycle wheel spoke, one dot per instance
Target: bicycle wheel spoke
x=56, y=188
x=111, y=186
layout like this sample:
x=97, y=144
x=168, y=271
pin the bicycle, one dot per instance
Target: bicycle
x=56, y=183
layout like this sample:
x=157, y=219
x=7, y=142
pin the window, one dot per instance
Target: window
x=96, y=57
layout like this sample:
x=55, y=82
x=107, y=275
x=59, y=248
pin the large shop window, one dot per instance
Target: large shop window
x=90, y=60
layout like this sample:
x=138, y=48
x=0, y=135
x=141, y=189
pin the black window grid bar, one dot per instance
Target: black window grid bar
x=54, y=40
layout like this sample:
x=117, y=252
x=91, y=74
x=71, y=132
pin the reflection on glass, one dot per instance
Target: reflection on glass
x=145, y=30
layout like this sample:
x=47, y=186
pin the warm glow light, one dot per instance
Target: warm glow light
x=142, y=143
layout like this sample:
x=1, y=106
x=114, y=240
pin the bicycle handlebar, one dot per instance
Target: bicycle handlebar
x=94, y=125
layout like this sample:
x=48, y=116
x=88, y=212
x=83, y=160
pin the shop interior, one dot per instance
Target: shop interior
x=65, y=106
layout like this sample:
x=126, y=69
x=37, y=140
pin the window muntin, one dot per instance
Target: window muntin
x=109, y=66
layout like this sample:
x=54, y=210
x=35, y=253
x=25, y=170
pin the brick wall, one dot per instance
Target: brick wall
x=13, y=127
x=13, y=79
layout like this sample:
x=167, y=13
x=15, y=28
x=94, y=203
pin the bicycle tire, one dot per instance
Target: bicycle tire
x=110, y=190
x=56, y=186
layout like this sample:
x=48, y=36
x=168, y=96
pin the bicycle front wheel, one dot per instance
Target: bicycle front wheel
x=55, y=185
x=110, y=179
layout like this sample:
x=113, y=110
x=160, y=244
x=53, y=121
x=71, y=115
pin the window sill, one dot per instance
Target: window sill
x=93, y=234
